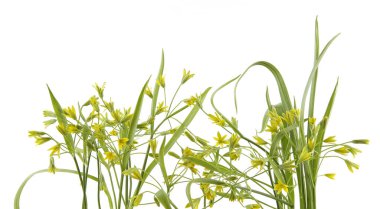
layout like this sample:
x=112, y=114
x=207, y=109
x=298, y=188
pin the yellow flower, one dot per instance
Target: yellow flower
x=342, y=150
x=219, y=188
x=310, y=144
x=351, y=166
x=52, y=169
x=304, y=156
x=279, y=187
x=153, y=145
x=360, y=141
x=220, y=140
x=330, y=140
x=275, y=121
x=210, y=194
x=354, y=151
x=41, y=140
x=161, y=81
x=187, y=152
x=73, y=128
x=99, y=89
x=186, y=76
x=190, y=101
x=234, y=140
x=148, y=92
x=161, y=108
x=70, y=112
x=258, y=162
x=114, y=132
x=217, y=119
x=189, y=165
x=235, y=154
x=253, y=206
x=56, y=149
x=330, y=175
x=122, y=142
x=110, y=156
x=312, y=121
x=137, y=199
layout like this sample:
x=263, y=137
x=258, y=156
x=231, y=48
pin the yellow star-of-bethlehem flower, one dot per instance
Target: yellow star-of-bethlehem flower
x=56, y=149
x=258, y=163
x=221, y=140
x=110, y=156
x=122, y=142
x=279, y=187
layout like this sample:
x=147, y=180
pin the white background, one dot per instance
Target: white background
x=72, y=44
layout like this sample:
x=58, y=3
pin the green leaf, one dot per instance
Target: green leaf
x=133, y=126
x=163, y=198
x=62, y=121
x=161, y=161
x=210, y=166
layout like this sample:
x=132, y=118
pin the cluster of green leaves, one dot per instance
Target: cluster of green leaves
x=263, y=170
x=266, y=170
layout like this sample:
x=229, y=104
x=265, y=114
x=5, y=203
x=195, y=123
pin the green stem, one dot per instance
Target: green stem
x=84, y=202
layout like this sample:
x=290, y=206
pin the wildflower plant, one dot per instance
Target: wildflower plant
x=275, y=167
x=265, y=172
x=96, y=134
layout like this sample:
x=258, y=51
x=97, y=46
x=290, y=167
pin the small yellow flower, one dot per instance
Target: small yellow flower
x=161, y=81
x=217, y=119
x=153, y=145
x=52, y=169
x=190, y=101
x=62, y=129
x=148, y=92
x=187, y=152
x=137, y=199
x=351, y=166
x=100, y=89
x=189, y=165
x=219, y=188
x=41, y=140
x=114, y=132
x=253, y=206
x=304, y=156
x=110, y=156
x=73, y=129
x=342, y=150
x=360, y=141
x=122, y=142
x=354, y=151
x=235, y=154
x=56, y=149
x=279, y=187
x=310, y=144
x=210, y=194
x=161, y=108
x=312, y=121
x=330, y=175
x=186, y=76
x=234, y=140
x=330, y=139
x=220, y=140
x=70, y=112
x=258, y=162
